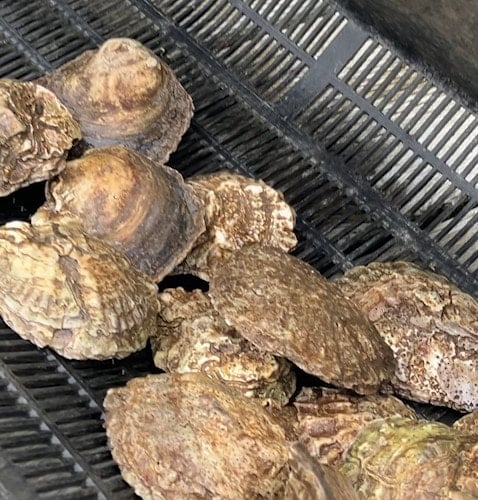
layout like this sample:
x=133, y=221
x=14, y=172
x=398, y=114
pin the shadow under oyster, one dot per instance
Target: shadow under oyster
x=188, y=436
x=400, y=459
x=36, y=132
x=66, y=290
x=431, y=326
x=239, y=211
x=122, y=197
x=122, y=93
x=192, y=337
x=285, y=306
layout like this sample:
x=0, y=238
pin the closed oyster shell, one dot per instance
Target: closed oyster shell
x=309, y=480
x=329, y=421
x=239, y=211
x=284, y=306
x=468, y=422
x=431, y=326
x=396, y=458
x=73, y=293
x=121, y=197
x=122, y=93
x=188, y=436
x=36, y=132
x=192, y=337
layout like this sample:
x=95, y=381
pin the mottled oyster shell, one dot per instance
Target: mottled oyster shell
x=188, y=436
x=284, y=306
x=329, y=421
x=239, y=211
x=73, y=293
x=309, y=480
x=122, y=93
x=123, y=198
x=36, y=132
x=401, y=459
x=192, y=337
x=431, y=326
x=468, y=422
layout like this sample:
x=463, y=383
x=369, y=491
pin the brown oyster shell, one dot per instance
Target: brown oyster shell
x=192, y=337
x=329, y=421
x=401, y=459
x=73, y=293
x=36, y=132
x=121, y=197
x=468, y=422
x=188, y=436
x=431, y=326
x=309, y=480
x=239, y=211
x=284, y=306
x=122, y=93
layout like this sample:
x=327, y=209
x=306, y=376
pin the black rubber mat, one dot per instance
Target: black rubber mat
x=379, y=161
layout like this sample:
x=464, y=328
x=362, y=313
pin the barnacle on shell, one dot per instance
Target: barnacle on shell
x=400, y=459
x=122, y=93
x=239, y=211
x=188, y=436
x=63, y=289
x=121, y=197
x=192, y=337
x=36, y=132
x=431, y=326
x=284, y=306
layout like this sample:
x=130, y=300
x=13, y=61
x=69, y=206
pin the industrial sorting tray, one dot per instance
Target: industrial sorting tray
x=379, y=161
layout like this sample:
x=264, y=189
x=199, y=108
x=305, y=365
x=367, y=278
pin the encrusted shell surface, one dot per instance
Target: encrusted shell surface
x=121, y=197
x=63, y=289
x=122, y=93
x=188, y=436
x=309, y=480
x=468, y=422
x=431, y=326
x=329, y=421
x=400, y=459
x=192, y=337
x=284, y=306
x=36, y=132
x=239, y=211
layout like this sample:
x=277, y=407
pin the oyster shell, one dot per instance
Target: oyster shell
x=284, y=306
x=431, y=326
x=329, y=421
x=188, y=436
x=239, y=211
x=396, y=458
x=122, y=93
x=309, y=480
x=36, y=132
x=192, y=337
x=468, y=422
x=121, y=197
x=63, y=289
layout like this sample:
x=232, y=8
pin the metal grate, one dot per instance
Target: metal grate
x=379, y=162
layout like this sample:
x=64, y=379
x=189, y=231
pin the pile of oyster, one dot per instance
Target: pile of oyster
x=226, y=416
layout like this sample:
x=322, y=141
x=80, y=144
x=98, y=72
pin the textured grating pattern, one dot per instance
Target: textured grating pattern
x=379, y=163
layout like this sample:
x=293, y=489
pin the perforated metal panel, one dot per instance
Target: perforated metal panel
x=379, y=162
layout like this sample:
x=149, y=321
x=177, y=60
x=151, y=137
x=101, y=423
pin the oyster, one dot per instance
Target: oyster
x=468, y=422
x=36, y=132
x=63, y=289
x=309, y=480
x=122, y=93
x=284, y=306
x=192, y=337
x=431, y=326
x=396, y=458
x=121, y=197
x=188, y=436
x=239, y=211
x=329, y=421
